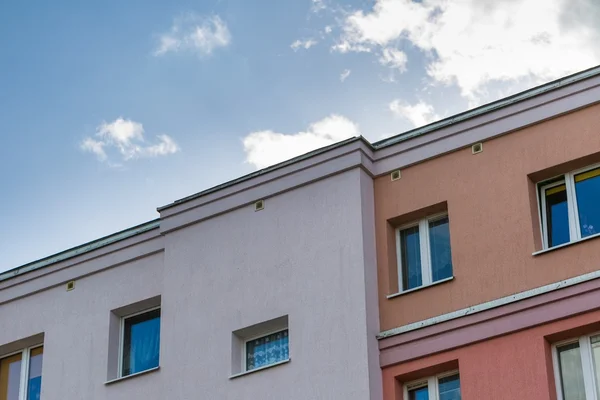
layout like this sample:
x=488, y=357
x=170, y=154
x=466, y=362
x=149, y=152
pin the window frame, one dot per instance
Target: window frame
x=25, y=364
x=122, y=340
x=425, y=251
x=431, y=382
x=587, y=365
x=568, y=179
x=260, y=336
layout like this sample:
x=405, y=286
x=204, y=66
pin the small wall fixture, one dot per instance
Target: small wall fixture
x=396, y=175
x=70, y=286
x=259, y=205
x=477, y=148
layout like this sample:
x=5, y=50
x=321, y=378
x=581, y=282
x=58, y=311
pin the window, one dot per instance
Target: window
x=140, y=342
x=266, y=350
x=569, y=209
x=577, y=368
x=423, y=250
x=21, y=375
x=441, y=387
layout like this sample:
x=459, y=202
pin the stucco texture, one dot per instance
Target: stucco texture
x=302, y=256
x=516, y=366
x=494, y=224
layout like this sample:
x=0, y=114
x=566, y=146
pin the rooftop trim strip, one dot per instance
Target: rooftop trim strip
x=486, y=108
x=81, y=249
x=264, y=171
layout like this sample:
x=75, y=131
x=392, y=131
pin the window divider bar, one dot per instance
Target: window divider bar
x=574, y=232
x=24, y=374
x=399, y=261
x=587, y=367
x=433, y=388
x=425, y=252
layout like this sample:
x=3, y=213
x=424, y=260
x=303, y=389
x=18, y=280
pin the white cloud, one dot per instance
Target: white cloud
x=318, y=5
x=305, y=44
x=418, y=114
x=125, y=138
x=264, y=148
x=328, y=29
x=393, y=58
x=345, y=74
x=94, y=146
x=473, y=43
x=194, y=33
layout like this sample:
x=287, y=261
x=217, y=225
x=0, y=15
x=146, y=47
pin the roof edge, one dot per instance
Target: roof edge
x=489, y=107
x=266, y=170
x=81, y=249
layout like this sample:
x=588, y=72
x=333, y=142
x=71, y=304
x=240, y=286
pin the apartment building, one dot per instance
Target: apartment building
x=454, y=261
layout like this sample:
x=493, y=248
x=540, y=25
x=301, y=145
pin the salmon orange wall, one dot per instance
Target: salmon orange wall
x=494, y=226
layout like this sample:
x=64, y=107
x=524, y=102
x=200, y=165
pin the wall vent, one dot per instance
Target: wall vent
x=259, y=205
x=477, y=148
x=396, y=175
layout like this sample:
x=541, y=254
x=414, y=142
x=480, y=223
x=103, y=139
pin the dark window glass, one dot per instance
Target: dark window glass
x=557, y=215
x=421, y=393
x=441, y=256
x=410, y=249
x=141, y=342
x=587, y=188
x=267, y=350
x=449, y=388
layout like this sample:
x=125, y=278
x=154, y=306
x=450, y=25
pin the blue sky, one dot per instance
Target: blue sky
x=111, y=109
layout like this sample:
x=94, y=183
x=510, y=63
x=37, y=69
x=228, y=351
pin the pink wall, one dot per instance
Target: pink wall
x=494, y=224
x=516, y=366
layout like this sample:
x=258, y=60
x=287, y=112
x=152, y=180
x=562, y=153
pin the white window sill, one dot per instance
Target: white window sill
x=260, y=368
x=391, y=296
x=560, y=246
x=132, y=375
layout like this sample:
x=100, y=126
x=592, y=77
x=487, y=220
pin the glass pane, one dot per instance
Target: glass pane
x=441, y=257
x=267, y=350
x=449, y=388
x=571, y=372
x=10, y=376
x=421, y=393
x=557, y=215
x=587, y=188
x=141, y=342
x=410, y=254
x=34, y=386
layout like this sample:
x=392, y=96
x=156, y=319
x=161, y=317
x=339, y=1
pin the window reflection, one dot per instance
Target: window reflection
x=441, y=256
x=587, y=188
x=557, y=215
x=411, y=258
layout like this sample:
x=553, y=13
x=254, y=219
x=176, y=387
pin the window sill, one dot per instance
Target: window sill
x=560, y=246
x=391, y=296
x=260, y=369
x=132, y=375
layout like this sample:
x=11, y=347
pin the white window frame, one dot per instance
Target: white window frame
x=260, y=336
x=587, y=364
x=568, y=180
x=122, y=337
x=24, y=373
x=431, y=382
x=425, y=249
